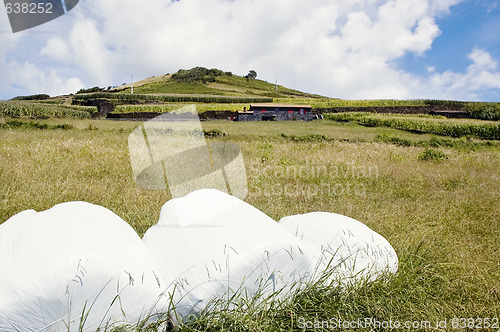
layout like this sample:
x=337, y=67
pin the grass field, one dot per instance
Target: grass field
x=439, y=209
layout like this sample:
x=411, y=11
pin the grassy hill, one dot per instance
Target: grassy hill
x=203, y=81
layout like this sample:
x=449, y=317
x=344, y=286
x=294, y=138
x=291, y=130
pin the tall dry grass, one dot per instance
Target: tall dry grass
x=442, y=217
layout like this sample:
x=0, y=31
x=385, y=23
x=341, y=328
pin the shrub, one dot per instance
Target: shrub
x=306, y=138
x=432, y=155
x=484, y=111
x=394, y=140
x=214, y=133
x=91, y=90
x=196, y=75
x=17, y=124
x=32, y=97
x=216, y=72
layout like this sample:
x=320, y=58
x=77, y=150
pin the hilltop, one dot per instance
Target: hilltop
x=215, y=82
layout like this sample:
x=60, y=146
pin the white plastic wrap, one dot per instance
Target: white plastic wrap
x=344, y=249
x=215, y=245
x=79, y=264
x=75, y=265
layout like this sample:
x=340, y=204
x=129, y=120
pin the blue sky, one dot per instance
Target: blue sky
x=470, y=24
x=363, y=49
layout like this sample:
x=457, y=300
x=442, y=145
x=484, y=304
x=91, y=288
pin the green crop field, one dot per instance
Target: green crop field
x=434, y=197
x=44, y=110
x=200, y=107
x=424, y=124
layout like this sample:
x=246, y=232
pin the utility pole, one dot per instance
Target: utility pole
x=276, y=79
x=132, y=79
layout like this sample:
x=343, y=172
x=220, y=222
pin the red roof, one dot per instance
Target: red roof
x=280, y=105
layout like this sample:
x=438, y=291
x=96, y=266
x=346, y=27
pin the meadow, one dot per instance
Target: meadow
x=434, y=197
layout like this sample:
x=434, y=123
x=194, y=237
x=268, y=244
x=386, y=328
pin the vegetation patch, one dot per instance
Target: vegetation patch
x=164, y=108
x=421, y=124
x=197, y=74
x=90, y=90
x=37, y=111
x=18, y=124
x=173, y=87
x=214, y=133
x=436, y=142
x=32, y=97
x=432, y=155
x=172, y=98
x=306, y=138
x=484, y=111
x=443, y=103
x=394, y=140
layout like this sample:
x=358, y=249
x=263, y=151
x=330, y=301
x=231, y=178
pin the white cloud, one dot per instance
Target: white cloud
x=481, y=75
x=345, y=48
x=57, y=49
x=482, y=60
x=27, y=78
x=89, y=51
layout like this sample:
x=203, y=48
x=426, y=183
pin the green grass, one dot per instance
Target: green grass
x=222, y=84
x=169, y=87
x=17, y=124
x=237, y=84
x=442, y=218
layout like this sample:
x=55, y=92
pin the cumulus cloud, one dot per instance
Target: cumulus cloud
x=481, y=75
x=344, y=49
x=57, y=49
x=28, y=78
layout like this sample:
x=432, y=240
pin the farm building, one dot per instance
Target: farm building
x=276, y=112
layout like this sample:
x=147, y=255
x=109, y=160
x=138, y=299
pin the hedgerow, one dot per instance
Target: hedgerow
x=16, y=110
x=421, y=125
x=174, y=98
x=484, y=111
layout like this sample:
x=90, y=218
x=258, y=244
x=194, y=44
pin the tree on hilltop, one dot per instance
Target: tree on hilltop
x=252, y=74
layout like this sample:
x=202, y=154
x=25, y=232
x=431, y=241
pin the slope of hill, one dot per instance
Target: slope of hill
x=202, y=81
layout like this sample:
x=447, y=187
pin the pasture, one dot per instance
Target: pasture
x=440, y=210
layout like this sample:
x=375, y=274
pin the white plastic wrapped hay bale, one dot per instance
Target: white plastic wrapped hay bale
x=344, y=249
x=212, y=246
x=75, y=267
x=79, y=266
